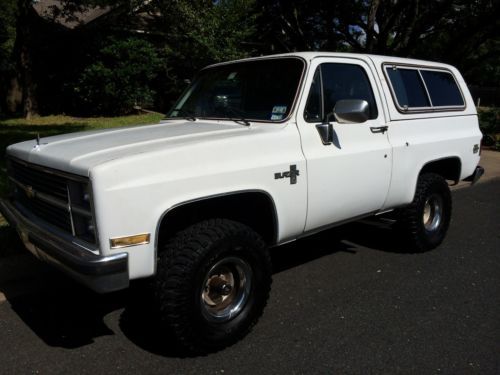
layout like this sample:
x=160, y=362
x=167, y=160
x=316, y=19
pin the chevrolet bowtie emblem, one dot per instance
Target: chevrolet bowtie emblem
x=291, y=174
x=30, y=193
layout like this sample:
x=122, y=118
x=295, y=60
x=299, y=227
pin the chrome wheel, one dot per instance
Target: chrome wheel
x=433, y=212
x=225, y=289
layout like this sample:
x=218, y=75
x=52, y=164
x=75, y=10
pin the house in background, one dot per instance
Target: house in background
x=59, y=34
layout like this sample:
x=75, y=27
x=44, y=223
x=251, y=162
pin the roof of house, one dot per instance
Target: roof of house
x=54, y=10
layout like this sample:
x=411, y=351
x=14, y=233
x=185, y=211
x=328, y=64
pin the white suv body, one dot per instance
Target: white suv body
x=303, y=182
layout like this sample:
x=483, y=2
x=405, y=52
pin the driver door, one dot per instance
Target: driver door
x=349, y=177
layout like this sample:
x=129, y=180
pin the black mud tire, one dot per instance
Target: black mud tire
x=183, y=265
x=420, y=231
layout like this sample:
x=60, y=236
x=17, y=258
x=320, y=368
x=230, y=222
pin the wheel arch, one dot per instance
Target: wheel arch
x=449, y=167
x=255, y=208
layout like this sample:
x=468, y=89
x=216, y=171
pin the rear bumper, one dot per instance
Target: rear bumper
x=473, y=178
x=100, y=273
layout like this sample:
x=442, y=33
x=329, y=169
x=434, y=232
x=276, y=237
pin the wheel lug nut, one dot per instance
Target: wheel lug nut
x=225, y=289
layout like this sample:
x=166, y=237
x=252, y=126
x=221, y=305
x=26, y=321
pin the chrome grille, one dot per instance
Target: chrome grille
x=59, y=199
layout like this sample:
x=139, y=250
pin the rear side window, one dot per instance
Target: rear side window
x=442, y=88
x=421, y=89
x=408, y=87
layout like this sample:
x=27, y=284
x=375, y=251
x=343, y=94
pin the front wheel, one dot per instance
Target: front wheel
x=425, y=221
x=212, y=283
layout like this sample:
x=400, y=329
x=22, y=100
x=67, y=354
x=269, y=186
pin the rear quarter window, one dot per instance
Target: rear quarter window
x=442, y=88
x=408, y=87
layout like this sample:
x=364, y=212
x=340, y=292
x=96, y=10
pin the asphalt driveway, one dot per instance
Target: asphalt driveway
x=346, y=301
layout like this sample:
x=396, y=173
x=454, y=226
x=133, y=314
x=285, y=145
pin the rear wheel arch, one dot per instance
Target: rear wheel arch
x=449, y=168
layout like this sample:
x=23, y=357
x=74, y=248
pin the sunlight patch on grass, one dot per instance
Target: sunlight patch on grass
x=19, y=129
x=88, y=123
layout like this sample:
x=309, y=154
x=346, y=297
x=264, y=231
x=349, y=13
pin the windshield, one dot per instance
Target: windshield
x=262, y=90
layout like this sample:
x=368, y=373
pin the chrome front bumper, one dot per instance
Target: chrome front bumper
x=100, y=273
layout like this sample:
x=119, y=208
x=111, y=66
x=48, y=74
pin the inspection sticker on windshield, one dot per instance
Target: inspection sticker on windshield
x=278, y=112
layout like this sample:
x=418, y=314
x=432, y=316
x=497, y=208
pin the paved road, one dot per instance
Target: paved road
x=348, y=301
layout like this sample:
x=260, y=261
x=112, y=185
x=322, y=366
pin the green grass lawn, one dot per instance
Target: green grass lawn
x=19, y=129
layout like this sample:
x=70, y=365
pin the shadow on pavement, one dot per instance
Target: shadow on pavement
x=10, y=243
x=65, y=314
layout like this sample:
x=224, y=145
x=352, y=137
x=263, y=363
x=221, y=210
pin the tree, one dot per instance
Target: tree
x=8, y=14
x=186, y=34
x=463, y=33
x=119, y=78
x=193, y=34
x=23, y=53
x=189, y=35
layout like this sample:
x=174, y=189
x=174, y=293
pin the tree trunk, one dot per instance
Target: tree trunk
x=22, y=49
x=14, y=96
x=370, y=25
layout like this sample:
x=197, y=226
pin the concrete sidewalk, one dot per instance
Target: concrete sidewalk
x=490, y=161
x=21, y=273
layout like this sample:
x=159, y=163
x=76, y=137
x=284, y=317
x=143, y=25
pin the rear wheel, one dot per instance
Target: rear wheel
x=425, y=221
x=212, y=283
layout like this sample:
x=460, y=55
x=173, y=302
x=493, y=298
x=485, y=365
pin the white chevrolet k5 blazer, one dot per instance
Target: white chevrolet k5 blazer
x=255, y=153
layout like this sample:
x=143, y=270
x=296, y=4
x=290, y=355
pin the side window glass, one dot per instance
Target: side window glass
x=442, y=88
x=346, y=81
x=408, y=87
x=313, y=111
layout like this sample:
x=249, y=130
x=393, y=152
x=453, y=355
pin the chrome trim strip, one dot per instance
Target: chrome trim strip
x=425, y=87
x=73, y=231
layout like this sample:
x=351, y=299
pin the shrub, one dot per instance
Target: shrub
x=489, y=122
x=120, y=78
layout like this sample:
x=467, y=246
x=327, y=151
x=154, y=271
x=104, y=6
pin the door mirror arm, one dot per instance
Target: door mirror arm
x=325, y=129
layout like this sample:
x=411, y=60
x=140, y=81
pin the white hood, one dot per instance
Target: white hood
x=79, y=152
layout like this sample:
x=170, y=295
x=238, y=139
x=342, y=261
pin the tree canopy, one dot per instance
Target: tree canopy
x=141, y=52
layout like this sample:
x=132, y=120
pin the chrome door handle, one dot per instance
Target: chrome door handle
x=379, y=129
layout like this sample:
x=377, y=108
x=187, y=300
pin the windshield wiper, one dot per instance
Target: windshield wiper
x=182, y=114
x=238, y=119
